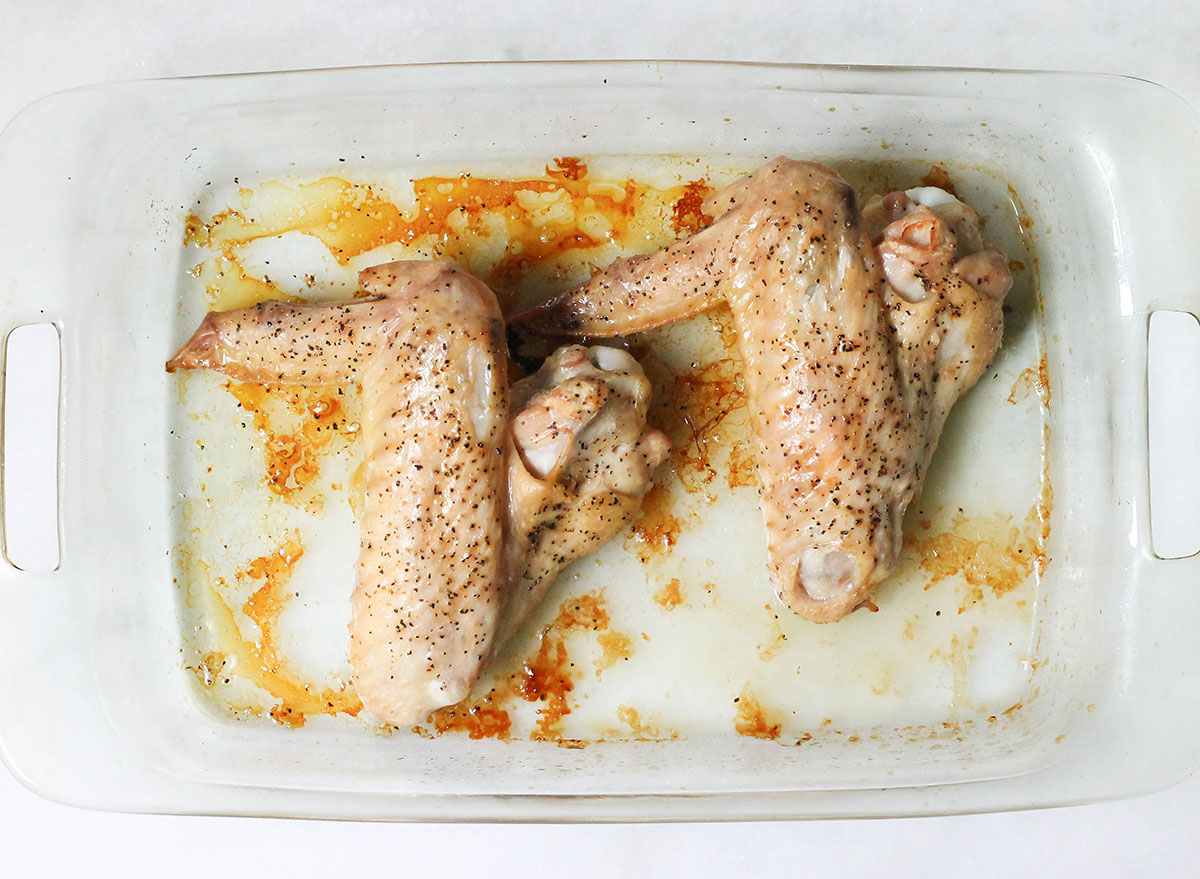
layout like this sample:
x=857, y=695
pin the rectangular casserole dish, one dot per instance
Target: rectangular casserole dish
x=1085, y=691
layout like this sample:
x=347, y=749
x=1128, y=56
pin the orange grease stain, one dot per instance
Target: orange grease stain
x=687, y=216
x=567, y=168
x=479, y=720
x=1032, y=380
x=1045, y=505
x=642, y=730
x=546, y=678
x=751, y=719
x=670, y=596
x=657, y=529
x=703, y=411
x=315, y=419
x=939, y=177
x=259, y=661
x=614, y=647
x=696, y=408
x=993, y=553
x=542, y=220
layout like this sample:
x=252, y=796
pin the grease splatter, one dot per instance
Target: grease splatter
x=298, y=426
x=670, y=596
x=259, y=661
x=751, y=719
x=545, y=678
x=993, y=553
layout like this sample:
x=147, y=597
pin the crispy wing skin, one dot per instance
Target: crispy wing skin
x=849, y=373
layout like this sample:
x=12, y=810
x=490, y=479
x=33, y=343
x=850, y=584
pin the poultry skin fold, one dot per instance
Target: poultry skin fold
x=582, y=459
x=854, y=350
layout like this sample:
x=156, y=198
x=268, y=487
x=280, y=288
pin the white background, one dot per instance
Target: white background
x=48, y=45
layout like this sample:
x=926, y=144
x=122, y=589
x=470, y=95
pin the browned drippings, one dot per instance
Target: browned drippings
x=543, y=219
x=687, y=216
x=1023, y=219
x=567, y=168
x=751, y=719
x=939, y=177
x=481, y=719
x=657, y=529
x=670, y=596
x=264, y=606
x=548, y=676
x=640, y=729
x=358, y=489
x=993, y=553
x=704, y=398
x=315, y=419
x=556, y=223
x=1045, y=505
x=630, y=717
x=1032, y=380
x=259, y=661
x=614, y=647
x=777, y=640
x=228, y=284
x=703, y=411
x=743, y=466
x=545, y=678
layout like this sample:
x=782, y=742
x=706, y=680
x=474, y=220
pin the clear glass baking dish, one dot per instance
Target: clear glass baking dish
x=95, y=188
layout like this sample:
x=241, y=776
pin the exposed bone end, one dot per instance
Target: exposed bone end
x=612, y=359
x=631, y=470
x=654, y=447
x=580, y=459
x=825, y=573
x=987, y=271
x=881, y=211
x=592, y=399
x=930, y=196
x=904, y=276
x=827, y=584
x=916, y=251
x=545, y=430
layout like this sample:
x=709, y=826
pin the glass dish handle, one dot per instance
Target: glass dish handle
x=29, y=442
x=1173, y=431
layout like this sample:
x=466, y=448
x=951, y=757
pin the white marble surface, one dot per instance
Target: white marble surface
x=55, y=44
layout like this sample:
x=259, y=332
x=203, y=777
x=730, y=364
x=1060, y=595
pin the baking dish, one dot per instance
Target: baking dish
x=98, y=709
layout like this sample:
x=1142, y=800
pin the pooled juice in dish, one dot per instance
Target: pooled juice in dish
x=668, y=632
